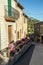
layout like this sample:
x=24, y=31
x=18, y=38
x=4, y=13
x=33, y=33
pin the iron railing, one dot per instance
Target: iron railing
x=14, y=12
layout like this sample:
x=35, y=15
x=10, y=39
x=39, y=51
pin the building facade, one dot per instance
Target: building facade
x=38, y=30
x=13, y=22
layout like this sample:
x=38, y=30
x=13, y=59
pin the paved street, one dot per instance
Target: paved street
x=37, y=57
x=25, y=59
x=34, y=56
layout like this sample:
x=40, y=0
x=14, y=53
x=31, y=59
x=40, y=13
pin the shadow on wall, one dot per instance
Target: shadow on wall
x=26, y=57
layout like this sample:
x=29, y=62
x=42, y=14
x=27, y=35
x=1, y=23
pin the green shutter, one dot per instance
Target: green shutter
x=9, y=7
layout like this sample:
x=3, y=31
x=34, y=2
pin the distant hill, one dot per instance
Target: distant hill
x=30, y=24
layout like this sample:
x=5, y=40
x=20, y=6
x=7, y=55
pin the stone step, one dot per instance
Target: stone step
x=3, y=60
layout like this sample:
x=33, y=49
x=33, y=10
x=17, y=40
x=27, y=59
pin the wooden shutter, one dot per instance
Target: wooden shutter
x=9, y=7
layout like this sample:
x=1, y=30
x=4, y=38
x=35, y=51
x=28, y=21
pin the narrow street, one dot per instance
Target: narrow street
x=33, y=56
x=25, y=59
x=37, y=57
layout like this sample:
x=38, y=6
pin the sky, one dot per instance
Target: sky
x=33, y=8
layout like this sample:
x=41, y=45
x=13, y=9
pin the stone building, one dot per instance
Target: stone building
x=38, y=30
x=13, y=22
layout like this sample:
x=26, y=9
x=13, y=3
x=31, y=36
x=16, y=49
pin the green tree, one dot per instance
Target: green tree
x=30, y=24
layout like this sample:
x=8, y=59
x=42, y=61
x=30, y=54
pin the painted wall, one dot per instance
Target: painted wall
x=16, y=26
x=14, y=4
x=24, y=26
x=2, y=5
x=4, y=39
x=20, y=21
x=13, y=30
x=0, y=35
x=4, y=33
x=4, y=25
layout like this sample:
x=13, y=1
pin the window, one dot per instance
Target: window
x=25, y=20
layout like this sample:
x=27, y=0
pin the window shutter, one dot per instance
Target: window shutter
x=9, y=7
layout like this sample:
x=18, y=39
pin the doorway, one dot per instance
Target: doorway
x=42, y=39
x=20, y=33
x=17, y=34
x=9, y=33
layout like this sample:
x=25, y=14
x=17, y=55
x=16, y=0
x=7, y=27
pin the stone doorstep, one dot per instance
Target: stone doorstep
x=4, y=58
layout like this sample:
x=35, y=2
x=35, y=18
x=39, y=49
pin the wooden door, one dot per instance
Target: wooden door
x=20, y=34
x=17, y=34
x=9, y=33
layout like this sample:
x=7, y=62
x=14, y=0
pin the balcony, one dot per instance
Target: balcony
x=14, y=14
